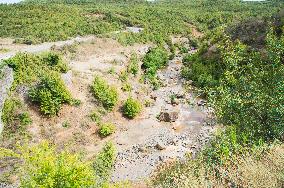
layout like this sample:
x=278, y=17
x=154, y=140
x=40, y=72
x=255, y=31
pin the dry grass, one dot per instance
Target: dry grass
x=250, y=171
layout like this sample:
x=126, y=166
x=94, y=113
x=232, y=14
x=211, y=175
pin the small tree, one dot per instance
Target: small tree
x=105, y=94
x=131, y=108
x=50, y=93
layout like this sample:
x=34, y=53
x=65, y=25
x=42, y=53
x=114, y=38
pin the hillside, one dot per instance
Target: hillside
x=141, y=93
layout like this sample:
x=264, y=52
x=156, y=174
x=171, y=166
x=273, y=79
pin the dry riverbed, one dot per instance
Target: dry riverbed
x=174, y=123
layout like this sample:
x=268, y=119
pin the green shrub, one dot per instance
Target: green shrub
x=13, y=117
x=66, y=124
x=126, y=87
x=28, y=68
x=105, y=94
x=105, y=161
x=131, y=108
x=155, y=59
x=76, y=102
x=106, y=129
x=133, y=66
x=55, y=61
x=42, y=166
x=25, y=118
x=9, y=110
x=50, y=93
x=205, y=72
x=95, y=116
x=123, y=76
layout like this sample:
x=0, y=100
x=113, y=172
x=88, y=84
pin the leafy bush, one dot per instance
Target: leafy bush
x=123, y=76
x=131, y=108
x=25, y=118
x=13, y=117
x=50, y=93
x=42, y=166
x=245, y=99
x=56, y=62
x=66, y=124
x=126, y=87
x=95, y=116
x=105, y=94
x=9, y=110
x=133, y=66
x=106, y=129
x=155, y=59
x=28, y=68
x=105, y=161
x=205, y=72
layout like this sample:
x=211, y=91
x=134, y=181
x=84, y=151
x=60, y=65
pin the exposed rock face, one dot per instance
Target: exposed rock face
x=6, y=81
x=168, y=116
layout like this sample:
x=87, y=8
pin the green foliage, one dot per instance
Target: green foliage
x=28, y=68
x=133, y=66
x=66, y=124
x=42, y=166
x=55, y=61
x=9, y=109
x=50, y=94
x=154, y=60
x=126, y=87
x=111, y=71
x=25, y=118
x=204, y=71
x=131, y=108
x=76, y=102
x=13, y=117
x=27, y=22
x=105, y=94
x=250, y=94
x=95, y=116
x=123, y=76
x=106, y=129
x=105, y=161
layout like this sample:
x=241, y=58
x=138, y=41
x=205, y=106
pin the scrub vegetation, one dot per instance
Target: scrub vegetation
x=237, y=65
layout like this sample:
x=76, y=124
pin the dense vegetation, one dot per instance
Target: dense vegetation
x=238, y=66
x=42, y=166
x=245, y=87
x=159, y=20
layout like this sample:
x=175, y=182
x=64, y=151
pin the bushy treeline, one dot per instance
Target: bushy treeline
x=40, y=21
x=245, y=87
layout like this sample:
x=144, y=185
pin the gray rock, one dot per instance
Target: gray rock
x=168, y=116
x=160, y=146
x=6, y=81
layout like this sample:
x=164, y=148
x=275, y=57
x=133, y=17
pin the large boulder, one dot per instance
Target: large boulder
x=6, y=81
